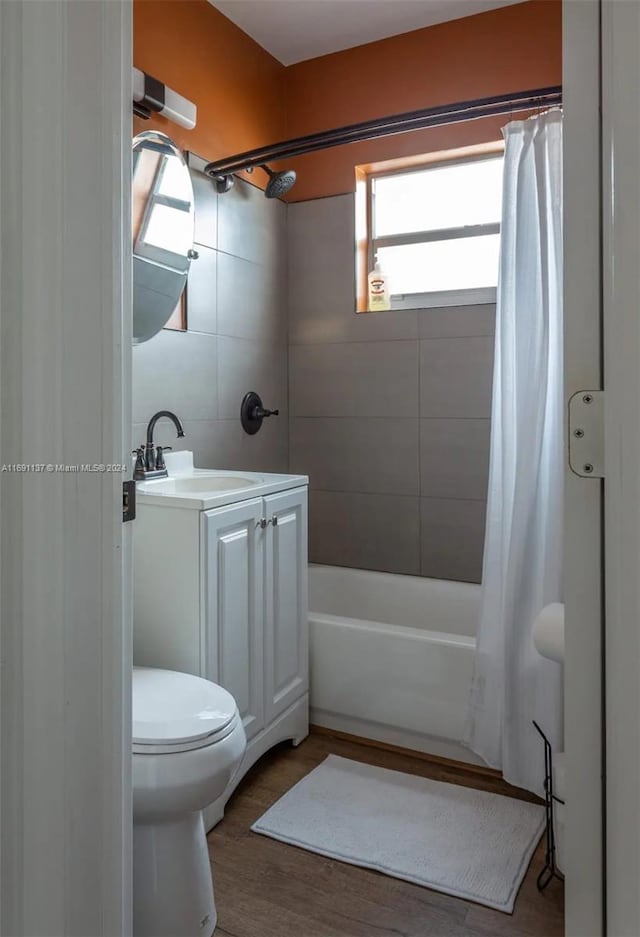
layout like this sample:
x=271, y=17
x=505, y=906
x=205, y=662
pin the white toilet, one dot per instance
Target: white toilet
x=188, y=742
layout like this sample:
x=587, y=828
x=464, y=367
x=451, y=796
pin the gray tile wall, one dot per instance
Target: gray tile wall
x=389, y=413
x=236, y=339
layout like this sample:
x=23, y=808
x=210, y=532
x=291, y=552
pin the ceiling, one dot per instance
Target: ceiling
x=295, y=30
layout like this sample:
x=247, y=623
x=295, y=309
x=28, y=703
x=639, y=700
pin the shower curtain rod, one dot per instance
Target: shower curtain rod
x=386, y=126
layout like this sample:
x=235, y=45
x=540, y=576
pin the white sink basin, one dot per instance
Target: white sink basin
x=200, y=483
x=204, y=489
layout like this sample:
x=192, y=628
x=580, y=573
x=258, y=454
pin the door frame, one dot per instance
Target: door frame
x=583, y=559
x=49, y=351
x=602, y=299
x=65, y=348
x=621, y=341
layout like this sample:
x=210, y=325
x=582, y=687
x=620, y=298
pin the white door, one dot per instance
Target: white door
x=65, y=307
x=602, y=260
x=584, y=714
x=621, y=300
x=285, y=629
x=233, y=541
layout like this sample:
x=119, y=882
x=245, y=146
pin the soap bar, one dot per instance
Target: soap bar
x=179, y=463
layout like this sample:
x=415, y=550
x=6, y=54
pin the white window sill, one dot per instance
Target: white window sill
x=475, y=297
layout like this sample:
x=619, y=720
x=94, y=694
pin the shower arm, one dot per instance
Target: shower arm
x=498, y=105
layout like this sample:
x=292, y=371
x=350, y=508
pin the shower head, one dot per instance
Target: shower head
x=279, y=182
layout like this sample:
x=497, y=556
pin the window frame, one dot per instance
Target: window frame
x=431, y=299
x=143, y=248
x=177, y=321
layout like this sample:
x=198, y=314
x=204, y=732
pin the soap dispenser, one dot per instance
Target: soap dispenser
x=379, y=298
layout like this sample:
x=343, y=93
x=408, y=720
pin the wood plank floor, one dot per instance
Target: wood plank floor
x=269, y=889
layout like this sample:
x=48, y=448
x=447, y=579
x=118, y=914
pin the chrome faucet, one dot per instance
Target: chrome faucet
x=150, y=461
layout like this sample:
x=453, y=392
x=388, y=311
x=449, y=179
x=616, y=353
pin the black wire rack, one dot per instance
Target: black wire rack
x=550, y=870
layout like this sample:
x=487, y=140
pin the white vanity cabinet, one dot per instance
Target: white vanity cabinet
x=233, y=552
x=222, y=592
x=286, y=646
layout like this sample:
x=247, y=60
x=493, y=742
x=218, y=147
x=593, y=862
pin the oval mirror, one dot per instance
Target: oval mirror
x=162, y=216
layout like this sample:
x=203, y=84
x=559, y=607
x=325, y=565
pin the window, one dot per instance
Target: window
x=162, y=211
x=165, y=229
x=436, y=231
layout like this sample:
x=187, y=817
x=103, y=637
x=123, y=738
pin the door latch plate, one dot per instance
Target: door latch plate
x=586, y=433
x=128, y=501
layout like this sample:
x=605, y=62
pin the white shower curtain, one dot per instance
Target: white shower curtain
x=522, y=570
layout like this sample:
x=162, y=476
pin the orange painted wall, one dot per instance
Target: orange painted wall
x=236, y=85
x=510, y=49
x=246, y=98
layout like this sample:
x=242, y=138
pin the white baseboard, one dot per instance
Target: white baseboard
x=402, y=738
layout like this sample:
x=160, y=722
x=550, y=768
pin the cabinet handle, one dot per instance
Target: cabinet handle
x=273, y=520
x=262, y=523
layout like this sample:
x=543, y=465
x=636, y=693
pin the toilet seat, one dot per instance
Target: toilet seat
x=176, y=712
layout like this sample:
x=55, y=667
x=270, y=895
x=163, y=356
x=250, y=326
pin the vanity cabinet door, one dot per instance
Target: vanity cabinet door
x=232, y=567
x=286, y=645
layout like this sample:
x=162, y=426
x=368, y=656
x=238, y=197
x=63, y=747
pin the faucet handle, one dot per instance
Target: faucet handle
x=160, y=466
x=150, y=458
x=138, y=471
x=252, y=413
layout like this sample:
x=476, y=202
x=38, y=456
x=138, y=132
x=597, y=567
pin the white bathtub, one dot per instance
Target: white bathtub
x=392, y=657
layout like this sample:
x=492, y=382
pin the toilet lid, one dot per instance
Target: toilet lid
x=171, y=708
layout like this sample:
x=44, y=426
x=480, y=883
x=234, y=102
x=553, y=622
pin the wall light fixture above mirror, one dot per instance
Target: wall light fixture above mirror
x=163, y=217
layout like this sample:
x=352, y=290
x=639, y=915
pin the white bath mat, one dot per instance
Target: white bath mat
x=468, y=843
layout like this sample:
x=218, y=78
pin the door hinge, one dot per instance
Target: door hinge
x=128, y=501
x=586, y=433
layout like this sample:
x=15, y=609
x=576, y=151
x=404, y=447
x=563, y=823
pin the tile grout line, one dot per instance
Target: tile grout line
x=395, y=417
x=384, y=341
x=389, y=494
